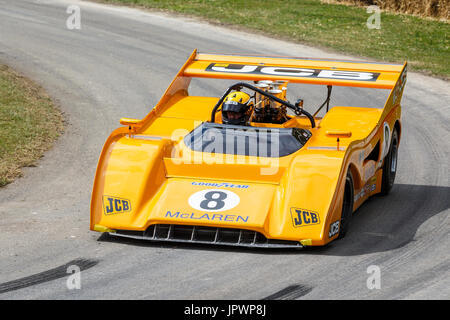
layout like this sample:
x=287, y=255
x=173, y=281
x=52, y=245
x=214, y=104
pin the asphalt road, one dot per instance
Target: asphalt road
x=119, y=64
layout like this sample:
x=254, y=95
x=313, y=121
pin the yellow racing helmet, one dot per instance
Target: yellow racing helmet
x=236, y=108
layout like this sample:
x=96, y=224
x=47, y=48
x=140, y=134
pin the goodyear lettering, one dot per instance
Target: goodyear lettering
x=220, y=185
x=114, y=205
x=293, y=72
x=302, y=217
x=207, y=216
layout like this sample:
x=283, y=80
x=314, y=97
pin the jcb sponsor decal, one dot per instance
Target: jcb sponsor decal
x=302, y=217
x=293, y=72
x=334, y=229
x=113, y=205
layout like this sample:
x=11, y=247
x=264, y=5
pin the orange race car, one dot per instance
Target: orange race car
x=250, y=168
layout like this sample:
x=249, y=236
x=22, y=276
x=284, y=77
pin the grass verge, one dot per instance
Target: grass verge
x=29, y=123
x=425, y=43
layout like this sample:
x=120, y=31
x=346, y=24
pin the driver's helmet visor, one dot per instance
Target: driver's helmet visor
x=233, y=115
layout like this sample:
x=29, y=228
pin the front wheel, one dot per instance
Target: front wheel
x=347, y=205
x=390, y=165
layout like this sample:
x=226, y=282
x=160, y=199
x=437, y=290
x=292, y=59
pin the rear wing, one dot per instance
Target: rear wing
x=295, y=70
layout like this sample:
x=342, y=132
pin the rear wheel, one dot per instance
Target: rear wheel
x=347, y=206
x=390, y=165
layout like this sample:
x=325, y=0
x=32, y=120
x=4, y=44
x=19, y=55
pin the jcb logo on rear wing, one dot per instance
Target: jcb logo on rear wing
x=113, y=205
x=292, y=72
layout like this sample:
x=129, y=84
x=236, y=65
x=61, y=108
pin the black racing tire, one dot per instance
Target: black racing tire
x=347, y=205
x=390, y=165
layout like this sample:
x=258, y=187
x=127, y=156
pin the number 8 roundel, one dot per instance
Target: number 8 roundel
x=214, y=200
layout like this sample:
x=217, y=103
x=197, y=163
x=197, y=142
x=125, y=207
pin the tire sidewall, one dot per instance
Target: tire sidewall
x=347, y=205
x=388, y=177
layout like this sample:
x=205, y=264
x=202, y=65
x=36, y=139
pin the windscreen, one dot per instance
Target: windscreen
x=246, y=140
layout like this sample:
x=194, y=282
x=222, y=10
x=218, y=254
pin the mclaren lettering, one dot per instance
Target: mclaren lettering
x=206, y=216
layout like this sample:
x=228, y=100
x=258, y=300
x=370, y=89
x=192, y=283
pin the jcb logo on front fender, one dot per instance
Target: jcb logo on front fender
x=113, y=205
x=302, y=217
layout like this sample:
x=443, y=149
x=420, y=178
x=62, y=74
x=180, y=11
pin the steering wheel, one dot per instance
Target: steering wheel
x=297, y=110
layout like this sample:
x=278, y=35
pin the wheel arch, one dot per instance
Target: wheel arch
x=357, y=181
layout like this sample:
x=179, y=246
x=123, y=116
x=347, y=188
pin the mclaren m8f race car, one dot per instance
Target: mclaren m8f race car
x=249, y=168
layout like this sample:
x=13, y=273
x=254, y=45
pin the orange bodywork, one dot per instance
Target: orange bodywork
x=147, y=175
